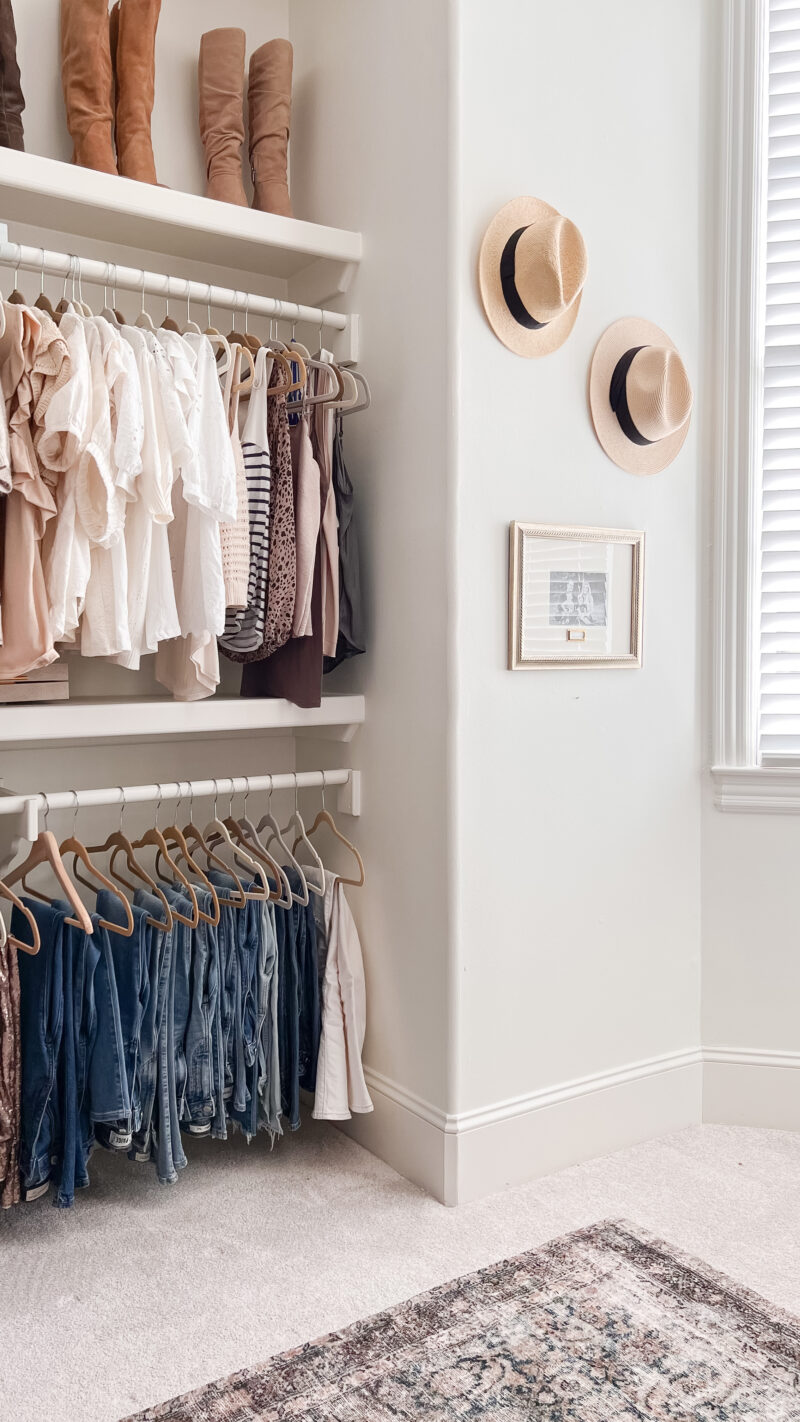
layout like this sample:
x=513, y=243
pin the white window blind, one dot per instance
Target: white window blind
x=780, y=499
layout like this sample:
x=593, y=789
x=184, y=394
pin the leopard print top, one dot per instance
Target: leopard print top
x=282, y=552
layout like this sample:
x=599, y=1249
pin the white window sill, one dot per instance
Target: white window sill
x=758, y=790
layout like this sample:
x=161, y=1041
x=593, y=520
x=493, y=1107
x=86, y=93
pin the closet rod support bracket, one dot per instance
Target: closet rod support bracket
x=349, y=796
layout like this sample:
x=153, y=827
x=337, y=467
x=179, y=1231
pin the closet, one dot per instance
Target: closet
x=121, y=761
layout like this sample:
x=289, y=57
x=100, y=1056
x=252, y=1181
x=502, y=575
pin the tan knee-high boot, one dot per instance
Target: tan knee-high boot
x=86, y=80
x=133, y=46
x=270, y=105
x=221, y=76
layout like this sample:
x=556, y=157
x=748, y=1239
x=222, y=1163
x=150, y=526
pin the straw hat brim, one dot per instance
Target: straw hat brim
x=520, y=212
x=634, y=458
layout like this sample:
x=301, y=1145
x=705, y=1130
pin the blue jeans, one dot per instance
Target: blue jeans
x=253, y=1003
x=131, y=972
x=80, y=957
x=154, y=1004
x=269, y=1073
x=109, y=1098
x=200, y=1100
x=41, y=1028
x=288, y=1015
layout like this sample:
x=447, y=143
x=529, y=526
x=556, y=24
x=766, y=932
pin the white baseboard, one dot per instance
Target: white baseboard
x=748, y=1087
x=458, y=1157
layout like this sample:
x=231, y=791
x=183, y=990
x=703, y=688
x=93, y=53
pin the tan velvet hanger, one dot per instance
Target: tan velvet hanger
x=74, y=846
x=326, y=818
x=11, y=897
x=249, y=837
x=44, y=850
x=194, y=836
x=154, y=839
x=174, y=836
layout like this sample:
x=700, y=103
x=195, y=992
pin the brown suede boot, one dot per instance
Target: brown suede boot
x=86, y=79
x=270, y=105
x=133, y=49
x=221, y=75
x=11, y=101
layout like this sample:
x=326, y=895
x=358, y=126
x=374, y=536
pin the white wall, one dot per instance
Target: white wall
x=751, y=968
x=579, y=815
x=370, y=151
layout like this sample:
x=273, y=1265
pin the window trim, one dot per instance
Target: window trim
x=741, y=781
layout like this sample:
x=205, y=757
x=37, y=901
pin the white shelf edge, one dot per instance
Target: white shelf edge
x=145, y=719
x=105, y=207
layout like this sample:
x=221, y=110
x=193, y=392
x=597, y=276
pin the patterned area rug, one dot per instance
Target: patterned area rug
x=604, y=1324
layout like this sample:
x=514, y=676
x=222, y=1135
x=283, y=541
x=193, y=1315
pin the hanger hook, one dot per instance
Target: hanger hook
x=121, y=789
x=216, y=791
x=75, y=808
x=246, y=795
x=178, y=801
x=323, y=789
x=114, y=287
x=158, y=803
x=189, y=301
x=208, y=303
x=269, y=797
x=296, y=805
x=142, y=275
x=41, y=274
x=106, y=279
x=46, y=806
x=230, y=799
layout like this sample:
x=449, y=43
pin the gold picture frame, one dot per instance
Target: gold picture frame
x=575, y=598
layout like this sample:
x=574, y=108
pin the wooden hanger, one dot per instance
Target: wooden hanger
x=44, y=850
x=11, y=897
x=326, y=818
x=155, y=839
x=74, y=846
x=268, y=821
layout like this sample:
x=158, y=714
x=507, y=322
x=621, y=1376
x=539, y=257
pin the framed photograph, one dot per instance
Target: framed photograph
x=575, y=597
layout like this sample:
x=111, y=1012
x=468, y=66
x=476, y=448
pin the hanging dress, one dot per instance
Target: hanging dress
x=244, y=628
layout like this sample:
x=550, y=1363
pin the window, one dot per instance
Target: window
x=756, y=727
x=779, y=593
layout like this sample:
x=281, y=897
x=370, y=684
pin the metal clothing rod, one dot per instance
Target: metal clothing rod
x=198, y=293
x=173, y=790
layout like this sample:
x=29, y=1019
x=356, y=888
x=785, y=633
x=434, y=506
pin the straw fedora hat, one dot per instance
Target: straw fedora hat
x=532, y=270
x=639, y=396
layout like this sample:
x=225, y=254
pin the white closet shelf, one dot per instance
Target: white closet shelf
x=44, y=191
x=78, y=722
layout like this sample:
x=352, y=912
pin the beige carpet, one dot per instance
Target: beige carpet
x=143, y=1292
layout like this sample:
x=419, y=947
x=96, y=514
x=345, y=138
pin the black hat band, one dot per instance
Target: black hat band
x=508, y=282
x=618, y=395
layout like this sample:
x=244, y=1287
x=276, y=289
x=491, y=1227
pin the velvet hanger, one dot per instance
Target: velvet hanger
x=296, y=824
x=11, y=897
x=175, y=837
x=326, y=818
x=268, y=821
x=194, y=836
x=74, y=846
x=282, y=898
x=154, y=839
x=217, y=832
x=44, y=850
